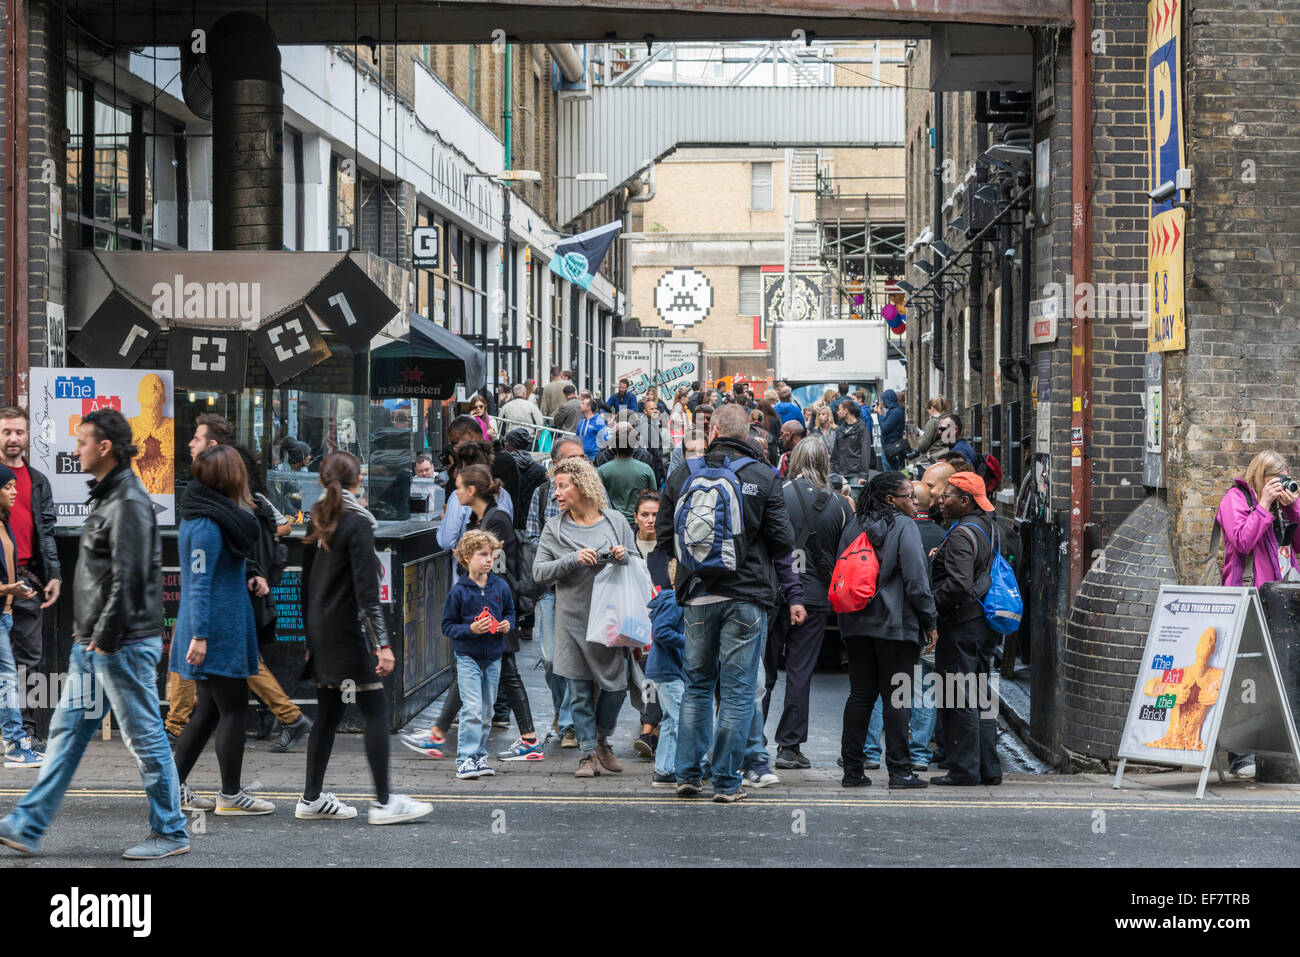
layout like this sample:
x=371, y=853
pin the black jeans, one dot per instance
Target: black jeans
x=28, y=641
x=873, y=665
x=802, y=645
x=963, y=658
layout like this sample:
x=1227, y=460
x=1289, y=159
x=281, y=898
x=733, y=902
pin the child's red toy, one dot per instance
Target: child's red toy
x=493, y=624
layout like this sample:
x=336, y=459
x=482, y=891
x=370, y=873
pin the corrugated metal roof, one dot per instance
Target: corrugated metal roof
x=620, y=131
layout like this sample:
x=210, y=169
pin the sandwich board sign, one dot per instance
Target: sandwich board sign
x=1208, y=682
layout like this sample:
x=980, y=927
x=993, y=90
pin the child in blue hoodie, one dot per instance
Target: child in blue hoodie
x=478, y=643
x=664, y=668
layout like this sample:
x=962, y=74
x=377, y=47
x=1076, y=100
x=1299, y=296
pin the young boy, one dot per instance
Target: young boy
x=478, y=611
x=664, y=668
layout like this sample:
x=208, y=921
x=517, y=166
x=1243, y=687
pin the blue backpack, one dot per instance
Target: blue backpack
x=709, y=521
x=1002, y=603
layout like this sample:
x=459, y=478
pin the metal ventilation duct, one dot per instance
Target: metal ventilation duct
x=247, y=109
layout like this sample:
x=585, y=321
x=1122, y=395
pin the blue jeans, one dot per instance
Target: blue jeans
x=920, y=731
x=593, y=719
x=477, y=683
x=723, y=643
x=128, y=679
x=756, y=747
x=544, y=623
x=11, y=719
x=669, y=694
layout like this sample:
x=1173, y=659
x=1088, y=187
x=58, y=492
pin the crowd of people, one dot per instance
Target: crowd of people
x=754, y=541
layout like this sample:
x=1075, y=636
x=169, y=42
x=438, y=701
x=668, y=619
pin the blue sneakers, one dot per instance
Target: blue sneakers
x=9, y=838
x=154, y=847
x=467, y=770
x=23, y=757
x=523, y=750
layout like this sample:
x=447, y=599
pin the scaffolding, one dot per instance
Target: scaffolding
x=861, y=243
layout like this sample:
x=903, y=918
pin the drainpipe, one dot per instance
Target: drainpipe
x=1081, y=266
x=567, y=60
x=936, y=339
x=16, y=201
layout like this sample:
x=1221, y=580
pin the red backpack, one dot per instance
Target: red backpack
x=853, y=583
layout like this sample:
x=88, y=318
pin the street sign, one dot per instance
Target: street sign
x=1208, y=681
x=425, y=244
x=1166, y=155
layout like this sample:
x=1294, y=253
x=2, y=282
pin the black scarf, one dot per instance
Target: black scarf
x=238, y=528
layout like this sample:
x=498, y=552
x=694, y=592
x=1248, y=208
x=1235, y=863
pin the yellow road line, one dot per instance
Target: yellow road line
x=767, y=800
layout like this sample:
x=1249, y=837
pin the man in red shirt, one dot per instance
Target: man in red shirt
x=32, y=524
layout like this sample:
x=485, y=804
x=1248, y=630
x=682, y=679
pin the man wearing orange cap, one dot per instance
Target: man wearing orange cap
x=959, y=578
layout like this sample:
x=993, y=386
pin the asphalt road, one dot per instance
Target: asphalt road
x=553, y=830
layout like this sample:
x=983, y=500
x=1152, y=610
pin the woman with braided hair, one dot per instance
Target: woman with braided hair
x=884, y=640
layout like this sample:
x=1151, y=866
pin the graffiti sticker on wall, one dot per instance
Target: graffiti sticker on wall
x=683, y=297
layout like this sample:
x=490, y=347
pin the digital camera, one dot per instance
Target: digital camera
x=1289, y=484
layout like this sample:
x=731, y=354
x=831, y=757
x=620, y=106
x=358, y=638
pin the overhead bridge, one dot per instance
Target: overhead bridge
x=621, y=131
x=168, y=23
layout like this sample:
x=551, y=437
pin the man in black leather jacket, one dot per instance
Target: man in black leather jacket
x=119, y=621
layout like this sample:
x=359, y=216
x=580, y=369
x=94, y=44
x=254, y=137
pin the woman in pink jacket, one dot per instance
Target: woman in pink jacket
x=1261, y=524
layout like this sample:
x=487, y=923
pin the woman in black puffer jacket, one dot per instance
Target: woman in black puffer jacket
x=885, y=638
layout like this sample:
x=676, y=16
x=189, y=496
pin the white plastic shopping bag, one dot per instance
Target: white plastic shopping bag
x=619, y=617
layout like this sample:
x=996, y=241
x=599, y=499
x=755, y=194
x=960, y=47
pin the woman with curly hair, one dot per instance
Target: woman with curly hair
x=885, y=638
x=571, y=551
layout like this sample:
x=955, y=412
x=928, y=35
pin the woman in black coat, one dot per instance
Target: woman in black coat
x=884, y=639
x=347, y=643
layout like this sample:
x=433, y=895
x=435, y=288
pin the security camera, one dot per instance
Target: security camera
x=1163, y=192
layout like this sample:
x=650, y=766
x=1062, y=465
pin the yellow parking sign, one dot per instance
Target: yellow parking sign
x=1167, y=311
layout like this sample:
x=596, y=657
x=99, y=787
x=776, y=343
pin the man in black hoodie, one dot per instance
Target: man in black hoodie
x=959, y=578
x=725, y=609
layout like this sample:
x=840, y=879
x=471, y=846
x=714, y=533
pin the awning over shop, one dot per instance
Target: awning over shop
x=216, y=301
x=426, y=363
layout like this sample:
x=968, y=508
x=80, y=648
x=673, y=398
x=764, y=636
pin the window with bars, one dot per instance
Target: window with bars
x=751, y=291
x=760, y=186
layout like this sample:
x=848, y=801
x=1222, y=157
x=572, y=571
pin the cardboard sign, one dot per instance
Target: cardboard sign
x=1208, y=680
x=115, y=335
x=208, y=360
x=290, y=344
x=350, y=303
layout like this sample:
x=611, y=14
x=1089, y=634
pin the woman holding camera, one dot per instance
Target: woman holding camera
x=1260, y=519
x=573, y=548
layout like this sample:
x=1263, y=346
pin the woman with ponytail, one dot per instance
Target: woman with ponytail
x=347, y=643
x=214, y=642
x=885, y=638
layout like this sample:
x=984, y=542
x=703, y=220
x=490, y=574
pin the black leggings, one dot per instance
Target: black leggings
x=320, y=743
x=511, y=696
x=221, y=706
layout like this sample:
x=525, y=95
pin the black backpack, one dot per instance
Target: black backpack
x=272, y=556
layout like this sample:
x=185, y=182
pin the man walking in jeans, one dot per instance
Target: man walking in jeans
x=119, y=620
x=725, y=609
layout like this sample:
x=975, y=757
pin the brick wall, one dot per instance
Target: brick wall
x=1229, y=396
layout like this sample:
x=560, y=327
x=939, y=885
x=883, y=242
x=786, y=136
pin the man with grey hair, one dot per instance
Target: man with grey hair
x=520, y=413
x=819, y=517
x=726, y=601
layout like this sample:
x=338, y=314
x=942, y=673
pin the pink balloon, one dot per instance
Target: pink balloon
x=889, y=312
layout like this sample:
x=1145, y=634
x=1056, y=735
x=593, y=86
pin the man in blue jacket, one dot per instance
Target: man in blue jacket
x=893, y=425
x=624, y=399
x=592, y=429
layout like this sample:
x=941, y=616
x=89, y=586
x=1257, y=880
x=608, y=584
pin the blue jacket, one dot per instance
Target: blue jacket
x=789, y=412
x=668, y=638
x=590, y=431
x=894, y=423
x=628, y=401
x=215, y=605
x=464, y=603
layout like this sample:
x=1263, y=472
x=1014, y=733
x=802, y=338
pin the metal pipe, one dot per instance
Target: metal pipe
x=1081, y=265
x=566, y=59
x=1023, y=367
x=1006, y=342
x=936, y=345
x=16, y=202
